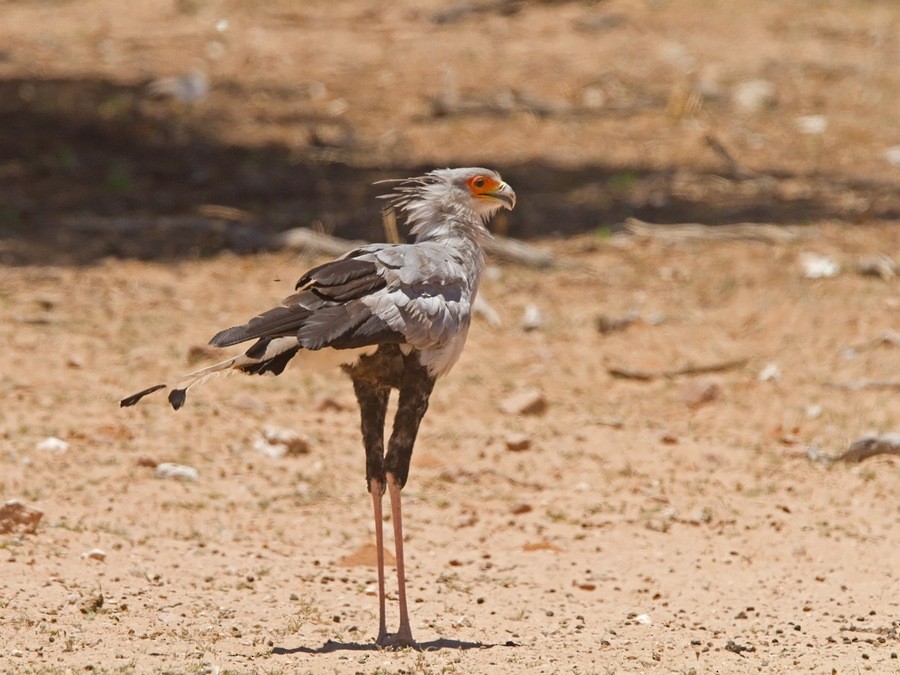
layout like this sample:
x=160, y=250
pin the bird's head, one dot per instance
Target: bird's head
x=481, y=190
x=429, y=199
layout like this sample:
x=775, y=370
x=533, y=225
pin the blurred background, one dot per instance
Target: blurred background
x=179, y=127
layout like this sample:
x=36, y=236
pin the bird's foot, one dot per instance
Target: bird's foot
x=402, y=638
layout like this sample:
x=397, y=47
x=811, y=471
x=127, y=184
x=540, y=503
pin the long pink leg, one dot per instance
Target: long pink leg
x=403, y=637
x=377, y=490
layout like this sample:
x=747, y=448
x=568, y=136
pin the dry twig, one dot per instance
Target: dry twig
x=762, y=232
x=859, y=385
x=869, y=446
x=689, y=369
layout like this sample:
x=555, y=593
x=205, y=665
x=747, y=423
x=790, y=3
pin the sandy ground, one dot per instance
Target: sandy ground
x=710, y=519
x=678, y=524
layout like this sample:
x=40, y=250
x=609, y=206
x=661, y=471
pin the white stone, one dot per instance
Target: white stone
x=177, y=472
x=818, y=266
x=52, y=444
x=892, y=155
x=770, y=373
x=753, y=95
x=812, y=125
x=532, y=319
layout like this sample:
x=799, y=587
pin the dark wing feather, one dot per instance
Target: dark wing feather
x=323, y=313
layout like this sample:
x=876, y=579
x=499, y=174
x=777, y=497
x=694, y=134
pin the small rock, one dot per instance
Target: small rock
x=610, y=324
x=813, y=412
x=770, y=373
x=95, y=554
x=519, y=509
x=52, y=444
x=812, y=125
x=524, y=402
x=177, y=472
x=669, y=438
x=753, y=96
x=643, y=618
x=517, y=442
x=190, y=87
x=16, y=517
x=818, y=267
x=878, y=266
x=147, y=462
x=532, y=319
x=890, y=338
x=892, y=155
x=697, y=392
x=75, y=361
x=276, y=442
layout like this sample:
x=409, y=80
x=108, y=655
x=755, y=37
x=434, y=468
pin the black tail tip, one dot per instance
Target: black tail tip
x=177, y=397
x=134, y=398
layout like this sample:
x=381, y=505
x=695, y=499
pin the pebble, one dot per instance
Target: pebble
x=892, y=155
x=517, y=442
x=276, y=442
x=697, y=392
x=524, y=402
x=878, y=266
x=532, y=319
x=812, y=125
x=177, y=472
x=818, y=266
x=770, y=373
x=753, y=95
x=16, y=516
x=190, y=87
x=95, y=554
x=52, y=444
x=643, y=618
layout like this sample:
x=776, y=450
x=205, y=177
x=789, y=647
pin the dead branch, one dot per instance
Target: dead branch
x=513, y=102
x=871, y=445
x=519, y=252
x=389, y=222
x=762, y=232
x=305, y=239
x=628, y=374
x=735, y=169
x=859, y=385
x=459, y=10
x=719, y=367
x=689, y=369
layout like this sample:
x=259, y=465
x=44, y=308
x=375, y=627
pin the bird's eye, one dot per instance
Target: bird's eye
x=479, y=182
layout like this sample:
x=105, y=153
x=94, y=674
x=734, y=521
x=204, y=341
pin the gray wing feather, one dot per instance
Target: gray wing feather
x=375, y=294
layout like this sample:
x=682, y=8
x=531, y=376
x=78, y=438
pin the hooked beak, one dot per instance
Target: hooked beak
x=505, y=195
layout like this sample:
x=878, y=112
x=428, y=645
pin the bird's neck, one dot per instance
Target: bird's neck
x=448, y=224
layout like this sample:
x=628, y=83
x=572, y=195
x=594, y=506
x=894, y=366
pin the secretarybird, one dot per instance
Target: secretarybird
x=411, y=301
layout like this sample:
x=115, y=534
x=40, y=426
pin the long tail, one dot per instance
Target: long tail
x=265, y=357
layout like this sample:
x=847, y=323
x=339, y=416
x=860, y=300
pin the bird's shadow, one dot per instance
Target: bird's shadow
x=430, y=646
